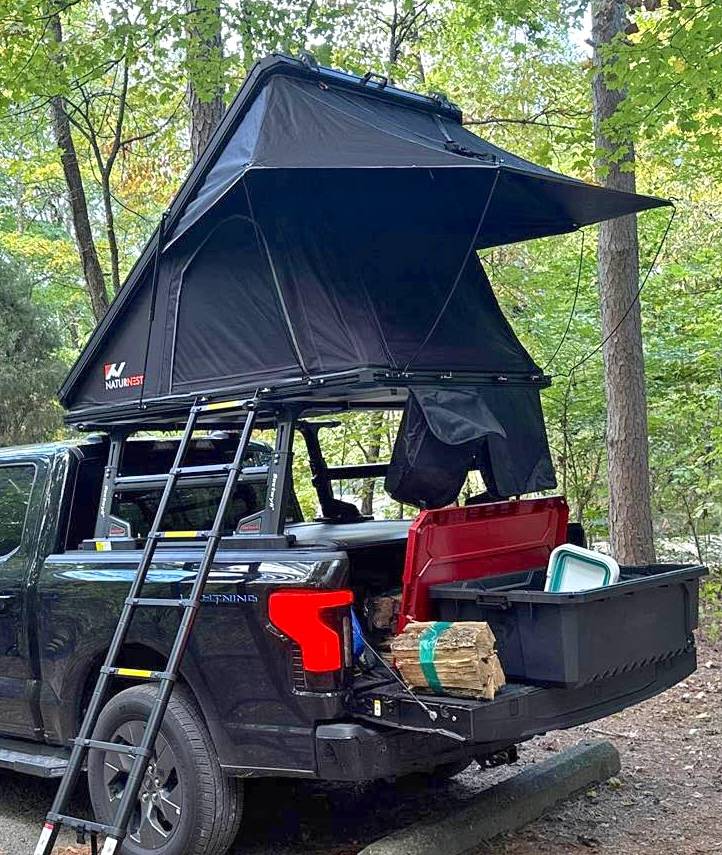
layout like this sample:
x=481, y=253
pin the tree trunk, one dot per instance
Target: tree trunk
x=371, y=453
x=92, y=271
x=393, y=43
x=205, y=71
x=110, y=232
x=630, y=515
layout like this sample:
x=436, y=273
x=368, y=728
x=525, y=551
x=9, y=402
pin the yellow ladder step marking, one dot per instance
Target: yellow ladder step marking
x=224, y=405
x=134, y=672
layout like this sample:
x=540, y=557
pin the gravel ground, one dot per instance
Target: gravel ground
x=667, y=799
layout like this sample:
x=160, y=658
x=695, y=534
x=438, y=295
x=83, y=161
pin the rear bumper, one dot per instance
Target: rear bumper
x=393, y=735
x=355, y=751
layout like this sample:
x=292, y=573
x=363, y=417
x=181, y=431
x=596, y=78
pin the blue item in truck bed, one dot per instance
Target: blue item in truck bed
x=359, y=643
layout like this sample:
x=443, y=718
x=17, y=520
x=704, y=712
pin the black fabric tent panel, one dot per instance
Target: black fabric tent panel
x=369, y=201
x=229, y=324
x=296, y=125
x=220, y=323
x=445, y=433
x=375, y=304
x=124, y=350
x=371, y=307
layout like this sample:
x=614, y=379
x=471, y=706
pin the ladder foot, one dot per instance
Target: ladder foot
x=47, y=839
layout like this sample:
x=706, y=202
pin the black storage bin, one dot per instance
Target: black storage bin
x=567, y=639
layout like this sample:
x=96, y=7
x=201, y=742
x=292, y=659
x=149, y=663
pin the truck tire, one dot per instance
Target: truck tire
x=187, y=806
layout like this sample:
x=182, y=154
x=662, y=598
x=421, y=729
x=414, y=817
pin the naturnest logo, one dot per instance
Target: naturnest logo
x=113, y=373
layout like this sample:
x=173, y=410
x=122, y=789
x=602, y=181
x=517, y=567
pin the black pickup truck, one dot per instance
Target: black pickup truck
x=251, y=702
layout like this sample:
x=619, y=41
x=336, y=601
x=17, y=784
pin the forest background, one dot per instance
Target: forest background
x=132, y=88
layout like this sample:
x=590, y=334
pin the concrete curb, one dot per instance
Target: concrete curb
x=506, y=806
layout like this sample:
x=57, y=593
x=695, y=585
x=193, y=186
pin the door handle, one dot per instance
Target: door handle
x=4, y=598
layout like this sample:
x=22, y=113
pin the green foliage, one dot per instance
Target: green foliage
x=711, y=604
x=30, y=365
x=672, y=69
x=523, y=81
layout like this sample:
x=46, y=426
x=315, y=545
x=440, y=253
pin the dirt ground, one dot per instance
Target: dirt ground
x=667, y=798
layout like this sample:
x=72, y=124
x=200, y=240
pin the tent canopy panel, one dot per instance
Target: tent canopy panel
x=329, y=227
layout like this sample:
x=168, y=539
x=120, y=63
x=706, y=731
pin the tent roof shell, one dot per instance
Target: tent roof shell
x=446, y=115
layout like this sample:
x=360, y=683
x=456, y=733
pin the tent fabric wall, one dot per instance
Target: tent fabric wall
x=219, y=321
x=116, y=374
x=369, y=203
x=228, y=324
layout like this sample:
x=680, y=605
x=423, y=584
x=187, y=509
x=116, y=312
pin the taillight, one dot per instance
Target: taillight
x=309, y=619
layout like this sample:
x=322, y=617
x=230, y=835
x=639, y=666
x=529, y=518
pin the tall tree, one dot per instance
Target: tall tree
x=30, y=365
x=87, y=250
x=205, y=71
x=630, y=515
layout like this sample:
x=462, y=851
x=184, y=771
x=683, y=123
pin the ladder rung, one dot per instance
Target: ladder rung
x=179, y=535
x=137, y=673
x=211, y=469
x=163, y=602
x=115, y=747
x=220, y=405
x=84, y=824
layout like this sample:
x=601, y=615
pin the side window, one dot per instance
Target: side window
x=190, y=507
x=16, y=482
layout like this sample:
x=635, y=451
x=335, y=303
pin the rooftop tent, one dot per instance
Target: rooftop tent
x=331, y=226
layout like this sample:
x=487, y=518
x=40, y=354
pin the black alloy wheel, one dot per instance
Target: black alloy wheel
x=186, y=805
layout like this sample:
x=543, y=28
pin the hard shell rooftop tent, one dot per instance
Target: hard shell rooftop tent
x=324, y=247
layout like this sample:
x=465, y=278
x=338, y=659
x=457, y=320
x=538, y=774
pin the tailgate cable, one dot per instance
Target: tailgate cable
x=432, y=714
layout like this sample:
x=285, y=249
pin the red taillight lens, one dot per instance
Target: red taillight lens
x=301, y=616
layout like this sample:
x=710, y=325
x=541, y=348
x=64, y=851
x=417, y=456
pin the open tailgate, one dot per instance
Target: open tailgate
x=519, y=711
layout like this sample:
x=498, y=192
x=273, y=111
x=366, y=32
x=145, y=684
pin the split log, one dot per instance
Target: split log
x=383, y=611
x=449, y=658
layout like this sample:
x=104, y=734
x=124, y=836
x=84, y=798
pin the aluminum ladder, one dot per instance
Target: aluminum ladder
x=141, y=754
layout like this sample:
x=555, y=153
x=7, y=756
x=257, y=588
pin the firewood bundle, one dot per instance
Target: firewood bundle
x=449, y=658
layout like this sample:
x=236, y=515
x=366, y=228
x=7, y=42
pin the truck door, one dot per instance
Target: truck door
x=16, y=487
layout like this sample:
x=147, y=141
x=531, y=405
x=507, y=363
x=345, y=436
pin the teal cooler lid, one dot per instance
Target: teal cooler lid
x=573, y=568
